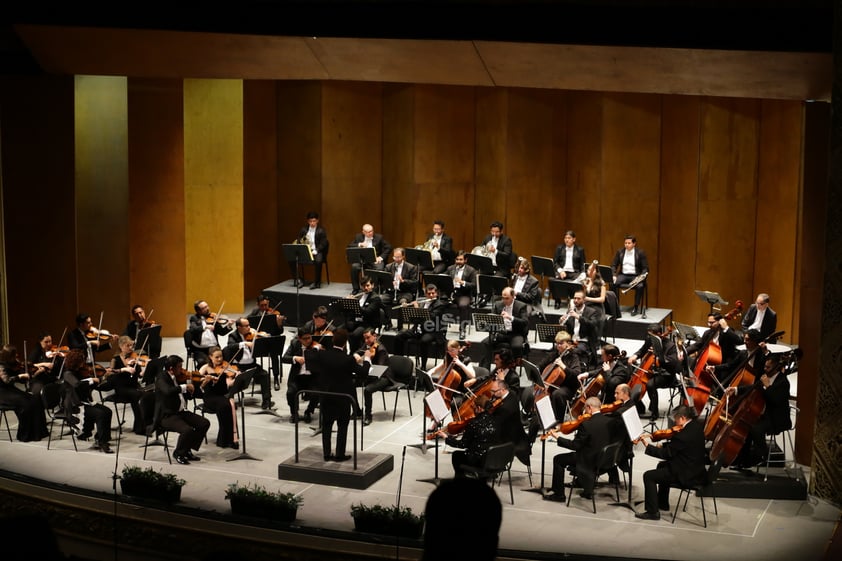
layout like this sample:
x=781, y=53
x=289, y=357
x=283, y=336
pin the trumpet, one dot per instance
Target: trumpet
x=637, y=280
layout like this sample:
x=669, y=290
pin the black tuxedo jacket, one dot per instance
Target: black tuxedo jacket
x=322, y=245
x=684, y=453
x=531, y=293
x=381, y=246
x=641, y=263
x=335, y=372
x=578, y=258
x=591, y=437
x=469, y=275
x=409, y=274
x=445, y=248
x=520, y=316
x=770, y=321
x=504, y=251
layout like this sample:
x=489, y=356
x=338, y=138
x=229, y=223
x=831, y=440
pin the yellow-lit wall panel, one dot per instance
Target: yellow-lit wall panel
x=213, y=192
x=102, y=199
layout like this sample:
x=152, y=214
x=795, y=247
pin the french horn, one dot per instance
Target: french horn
x=481, y=250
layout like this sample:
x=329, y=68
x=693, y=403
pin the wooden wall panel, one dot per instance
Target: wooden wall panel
x=678, y=220
x=630, y=195
x=584, y=174
x=533, y=175
x=299, y=168
x=156, y=199
x=439, y=167
x=213, y=192
x=262, y=262
x=351, y=165
x=727, y=197
x=102, y=199
x=399, y=187
x=491, y=196
x=38, y=172
x=779, y=182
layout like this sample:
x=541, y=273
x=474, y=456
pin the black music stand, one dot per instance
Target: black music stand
x=410, y=315
x=543, y=266
x=711, y=298
x=271, y=348
x=547, y=331
x=383, y=280
x=420, y=257
x=686, y=332
x=481, y=263
x=149, y=339
x=299, y=254
x=350, y=307
x=265, y=323
x=607, y=274
x=443, y=282
x=490, y=323
x=361, y=256
x=491, y=285
x=548, y=421
x=564, y=289
x=241, y=382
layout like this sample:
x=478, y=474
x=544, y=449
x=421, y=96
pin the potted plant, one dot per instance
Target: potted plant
x=146, y=483
x=391, y=520
x=255, y=501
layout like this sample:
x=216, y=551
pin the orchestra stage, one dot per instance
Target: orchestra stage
x=751, y=527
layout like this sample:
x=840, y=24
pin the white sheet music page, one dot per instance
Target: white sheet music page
x=437, y=406
x=546, y=413
x=632, y=422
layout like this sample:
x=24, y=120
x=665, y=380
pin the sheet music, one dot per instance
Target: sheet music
x=437, y=406
x=546, y=413
x=632, y=422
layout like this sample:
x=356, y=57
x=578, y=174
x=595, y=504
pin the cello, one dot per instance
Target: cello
x=642, y=372
x=553, y=376
x=732, y=436
x=591, y=390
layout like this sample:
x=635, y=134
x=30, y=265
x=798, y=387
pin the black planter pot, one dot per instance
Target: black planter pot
x=256, y=508
x=389, y=526
x=146, y=491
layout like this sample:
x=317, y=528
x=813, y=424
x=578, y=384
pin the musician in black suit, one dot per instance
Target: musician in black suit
x=718, y=332
x=683, y=461
x=382, y=250
x=272, y=322
x=614, y=371
x=565, y=357
x=776, y=416
x=630, y=262
x=761, y=317
x=300, y=375
x=404, y=285
x=441, y=247
x=138, y=322
x=582, y=323
x=507, y=415
x=592, y=436
x=569, y=258
x=428, y=333
x=205, y=330
x=316, y=237
x=87, y=338
x=499, y=248
x=464, y=287
x=371, y=306
x=335, y=370
x=240, y=351
x=527, y=288
x=171, y=411
x=515, y=326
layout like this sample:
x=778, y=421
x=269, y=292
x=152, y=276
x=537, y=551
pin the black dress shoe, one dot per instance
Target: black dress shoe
x=368, y=420
x=328, y=458
x=293, y=419
x=648, y=515
x=192, y=457
x=84, y=436
x=315, y=285
x=553, y=496
x=342, y=458
x=236, y=446
x=634, y=311
x=277, y=386
x=105, y=448
x=307, y=418
x=585, y=495
x=182, y=460
x=665, y=507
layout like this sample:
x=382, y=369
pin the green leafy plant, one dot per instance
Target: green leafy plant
x=258, y=494
x=391, y=520
x=151, y=477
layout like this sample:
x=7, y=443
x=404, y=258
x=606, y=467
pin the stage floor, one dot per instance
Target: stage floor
x=532, y=528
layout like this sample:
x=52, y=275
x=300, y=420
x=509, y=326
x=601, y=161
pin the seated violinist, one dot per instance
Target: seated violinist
x=775, y=417
x=593, y=434
x=45, y=362
x=123, y=377
x=32, y=424
x=172, y=387
x=663, y=368
x=240, y=351
x=89, y=339
x=476, y=436
x=151, y=345
x=81, y=379
x=218, y=377
x=614, y=372
x=566, y=359
x=203, y=330
x=272, y=322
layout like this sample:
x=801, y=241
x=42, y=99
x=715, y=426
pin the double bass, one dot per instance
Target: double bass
x=732, y=436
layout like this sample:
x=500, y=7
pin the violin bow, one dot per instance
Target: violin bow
x=219, y=313
x=63, y=333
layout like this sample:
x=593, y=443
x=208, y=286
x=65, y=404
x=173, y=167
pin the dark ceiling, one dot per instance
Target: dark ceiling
x=766, y=25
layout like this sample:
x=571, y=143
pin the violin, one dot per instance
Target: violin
x=230, y=370
x=666, y=434
x=213, y=318
x=94, y=334
x=56, y=350
x=183, y=376
x=252, y=335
